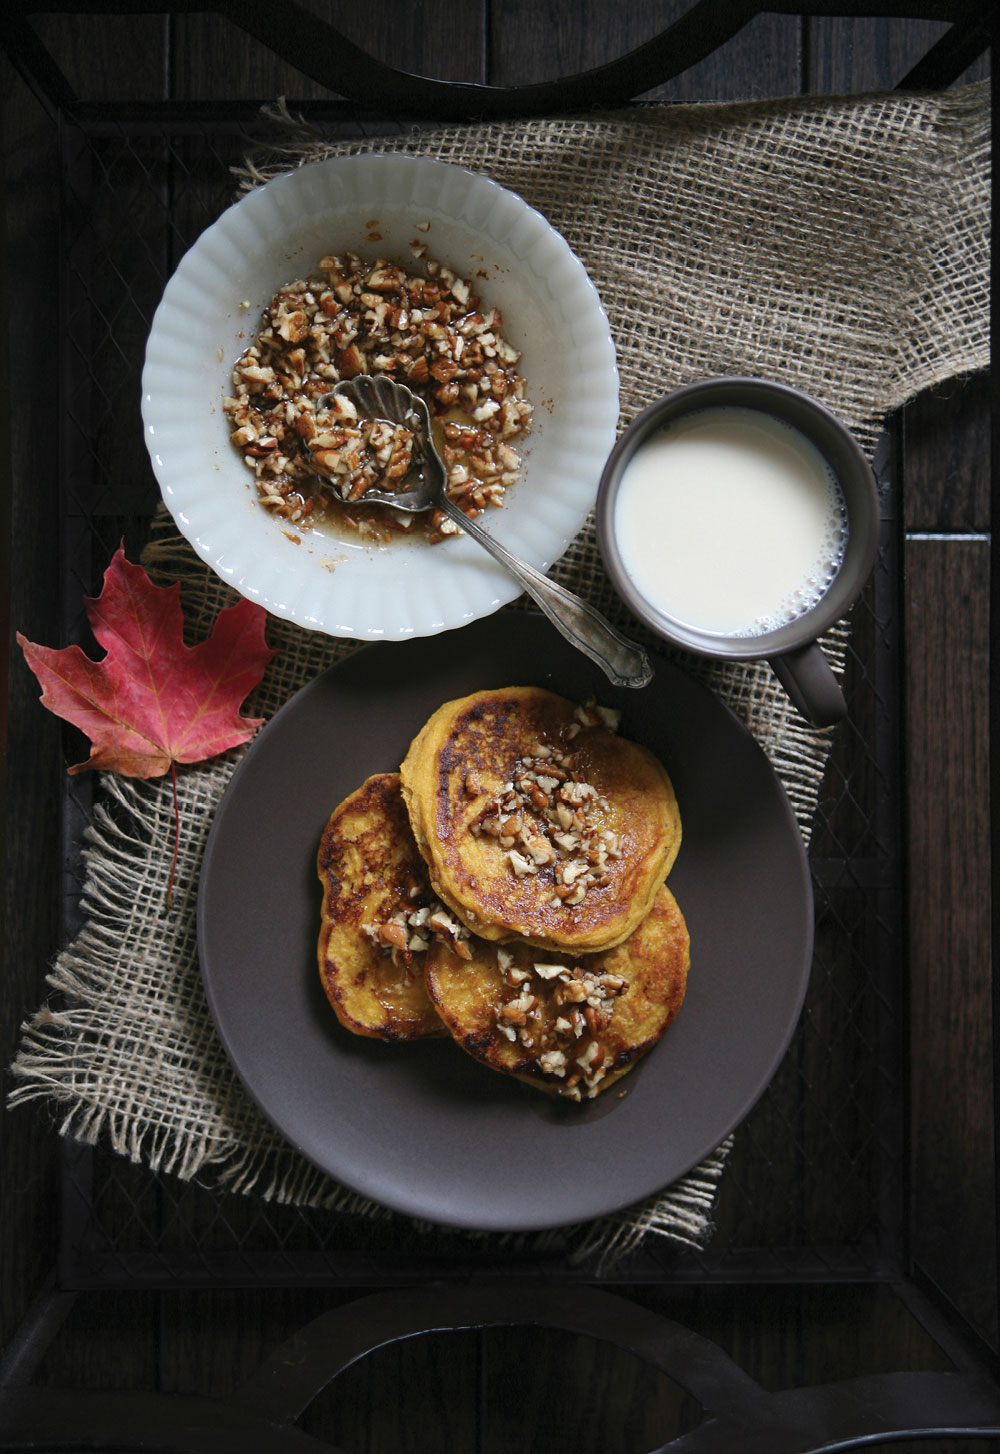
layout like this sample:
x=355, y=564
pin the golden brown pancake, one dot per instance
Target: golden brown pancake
x=569, y=1025
x=378, y=914
x=538, y=821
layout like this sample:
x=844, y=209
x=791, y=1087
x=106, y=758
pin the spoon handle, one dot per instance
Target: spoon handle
x=624, y=663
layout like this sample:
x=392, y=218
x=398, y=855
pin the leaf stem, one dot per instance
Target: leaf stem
x=177, y=836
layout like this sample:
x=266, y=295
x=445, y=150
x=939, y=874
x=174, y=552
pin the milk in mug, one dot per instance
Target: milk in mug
x=730, y=521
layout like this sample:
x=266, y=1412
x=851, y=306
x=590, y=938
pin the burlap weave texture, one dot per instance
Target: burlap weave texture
x=839, y=245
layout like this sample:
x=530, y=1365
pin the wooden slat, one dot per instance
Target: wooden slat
x=953, y=1186
x=864, y=54
x=417, y=1395
x=32, y=878
x=108, y=1342
x=532, y=42
x=848, y=55
x=420, y=1395
x=123, y=59
x=948, y=430
x=575, y=1393
x=212, y=56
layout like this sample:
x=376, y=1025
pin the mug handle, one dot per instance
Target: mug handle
x=808, y=678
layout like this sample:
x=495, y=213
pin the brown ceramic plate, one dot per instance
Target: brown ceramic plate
x=423, y=1128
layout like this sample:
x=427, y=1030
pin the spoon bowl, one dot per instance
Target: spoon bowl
x=376, y=396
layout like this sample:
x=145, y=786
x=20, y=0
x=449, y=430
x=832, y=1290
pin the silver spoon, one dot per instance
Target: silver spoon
x=379, y=397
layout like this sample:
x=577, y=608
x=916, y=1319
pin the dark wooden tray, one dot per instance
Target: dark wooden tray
x=859, y=1206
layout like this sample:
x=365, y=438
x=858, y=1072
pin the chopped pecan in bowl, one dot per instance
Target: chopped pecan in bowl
x=352, y=316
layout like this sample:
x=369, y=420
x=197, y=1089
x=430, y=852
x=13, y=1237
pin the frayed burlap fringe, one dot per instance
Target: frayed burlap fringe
x=840, y=245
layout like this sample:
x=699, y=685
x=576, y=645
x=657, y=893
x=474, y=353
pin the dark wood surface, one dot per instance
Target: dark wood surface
x=506, y=1391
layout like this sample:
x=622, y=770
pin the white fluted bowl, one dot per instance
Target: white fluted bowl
x=210, y=311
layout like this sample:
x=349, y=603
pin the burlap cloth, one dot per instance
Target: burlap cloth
x=841, y=245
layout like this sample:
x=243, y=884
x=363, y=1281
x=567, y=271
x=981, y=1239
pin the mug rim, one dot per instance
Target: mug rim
x=862, y=547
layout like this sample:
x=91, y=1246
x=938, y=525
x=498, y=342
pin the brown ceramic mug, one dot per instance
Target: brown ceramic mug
x=789, y=646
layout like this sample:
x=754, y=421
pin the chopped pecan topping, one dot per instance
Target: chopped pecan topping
x=410, y=930
x=560, y=1012
x=548, y=818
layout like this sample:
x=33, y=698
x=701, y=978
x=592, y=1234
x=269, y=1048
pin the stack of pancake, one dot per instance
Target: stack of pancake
x=506, y=887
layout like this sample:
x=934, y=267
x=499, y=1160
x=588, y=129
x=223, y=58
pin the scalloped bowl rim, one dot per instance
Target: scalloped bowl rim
x=208, y=313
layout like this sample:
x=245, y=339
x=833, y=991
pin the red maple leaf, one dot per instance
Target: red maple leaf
x=152, y=701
